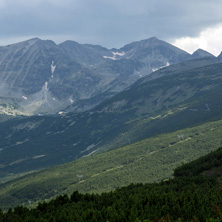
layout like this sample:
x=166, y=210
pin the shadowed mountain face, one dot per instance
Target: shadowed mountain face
x=172, y=98
x=39, y=76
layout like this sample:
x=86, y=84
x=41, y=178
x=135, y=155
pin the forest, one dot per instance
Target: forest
x=194, y=194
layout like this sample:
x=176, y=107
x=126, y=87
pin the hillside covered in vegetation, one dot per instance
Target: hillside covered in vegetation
x=150, y=160
x=194, y=194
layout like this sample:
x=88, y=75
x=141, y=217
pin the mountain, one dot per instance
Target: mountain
x=40, y=77
x=85, y=54
x=153, y=48
x=173, y=98
x=200, y=53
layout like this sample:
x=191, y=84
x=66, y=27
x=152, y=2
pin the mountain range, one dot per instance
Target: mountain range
x=41, y=77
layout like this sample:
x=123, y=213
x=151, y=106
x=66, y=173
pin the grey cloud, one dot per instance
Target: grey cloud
x=106, y=22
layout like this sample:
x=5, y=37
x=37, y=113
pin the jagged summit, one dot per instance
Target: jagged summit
x=152, y=48
x=142, y=43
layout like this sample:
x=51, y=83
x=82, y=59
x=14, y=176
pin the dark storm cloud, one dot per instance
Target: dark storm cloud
x=106, y=22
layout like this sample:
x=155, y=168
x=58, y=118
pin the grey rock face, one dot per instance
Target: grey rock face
x=41, y=77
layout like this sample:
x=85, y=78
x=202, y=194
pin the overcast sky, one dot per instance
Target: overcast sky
x=189, y=24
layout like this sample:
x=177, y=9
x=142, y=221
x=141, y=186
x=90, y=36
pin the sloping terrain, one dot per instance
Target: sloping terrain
x=39, y=76
x=193, y=195
x=165, y=101
x=149, y=160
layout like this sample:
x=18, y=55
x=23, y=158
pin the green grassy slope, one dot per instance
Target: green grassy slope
x=149, y=160
x=193, y=195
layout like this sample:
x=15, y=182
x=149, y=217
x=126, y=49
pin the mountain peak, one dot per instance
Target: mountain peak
x=31, y=42
x=22, y=43
x=34, y=39
x=149, y=49
x=150, y=41
x=153, y=41
x=154, y=38
x=69, y=43
x=200, y=53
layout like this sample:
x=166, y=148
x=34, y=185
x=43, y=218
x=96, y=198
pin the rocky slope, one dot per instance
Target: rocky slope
x=38, y=77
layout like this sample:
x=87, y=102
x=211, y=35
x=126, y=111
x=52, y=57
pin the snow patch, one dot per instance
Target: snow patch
x=118, y=53
x=107, y=57
x=155, y=69
x=53, y=67
x=24, y=97
x=139, y=74
x=71, y=100
x=37, y=157
x=21, y=142
x=89, y=147
x=114, y=55
x=54, y=98
x=46, y=85
x=91, y=153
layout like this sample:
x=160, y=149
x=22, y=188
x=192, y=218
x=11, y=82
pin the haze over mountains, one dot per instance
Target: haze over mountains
x=40, y=77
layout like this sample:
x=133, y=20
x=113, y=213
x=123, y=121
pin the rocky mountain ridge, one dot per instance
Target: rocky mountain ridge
x=40, y=77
